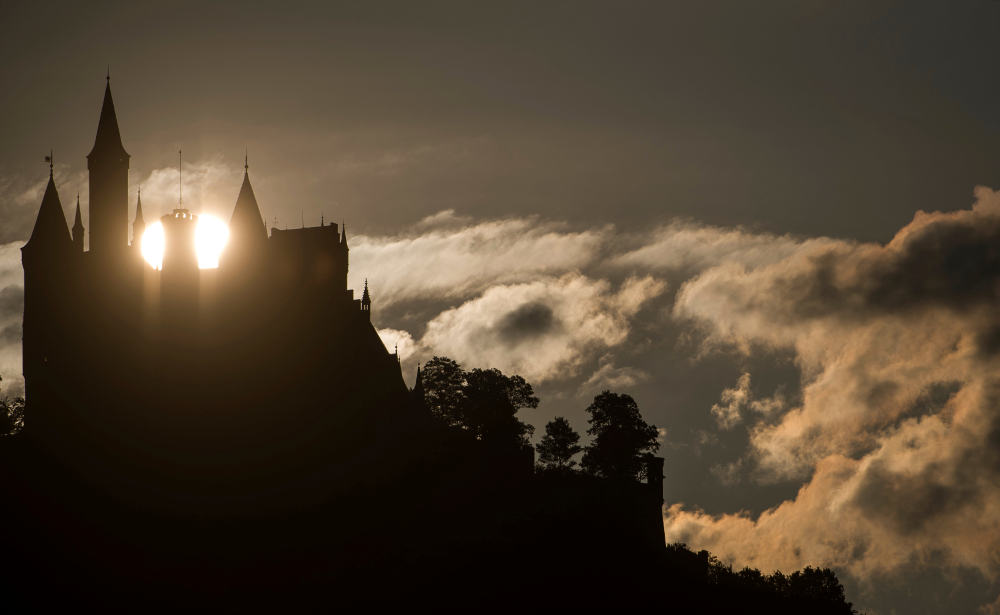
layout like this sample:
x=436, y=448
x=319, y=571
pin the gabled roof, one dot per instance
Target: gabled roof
x=50, y=229
x=109, y=139
x=247, y=223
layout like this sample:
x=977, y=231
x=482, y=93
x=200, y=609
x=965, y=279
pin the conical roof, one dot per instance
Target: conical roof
x=78, y=221
x=138, y=211
x=50, y=226
x=247, y=223
x=109, y=139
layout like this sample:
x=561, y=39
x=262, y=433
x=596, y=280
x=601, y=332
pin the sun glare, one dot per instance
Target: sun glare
x=210, y=237
x=153, y=242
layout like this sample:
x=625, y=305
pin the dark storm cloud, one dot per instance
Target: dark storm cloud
x=526, y=322
x=952, y=262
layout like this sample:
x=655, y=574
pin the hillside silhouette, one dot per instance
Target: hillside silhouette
x=238, y=437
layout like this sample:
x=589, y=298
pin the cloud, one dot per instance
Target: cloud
x=542, y=330
x=608, y=376
x=398, y=341
x=20, y=197
x=737, y=402
x=210, y=186
x=685, y=245
x=11, y=311
x=897, y=436
x=450, y=257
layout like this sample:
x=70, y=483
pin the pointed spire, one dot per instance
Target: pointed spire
x=343, y=233
x=247, y=223
x=418, y=387
x=78, y=227
x=138, y=206
x=50, y=230
x=139, y=224
x=109, y=139
x=366, y=302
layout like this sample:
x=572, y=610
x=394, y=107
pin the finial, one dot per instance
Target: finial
x=180, y=181
x=246, y=159
x=321, y=221
x=108, y=76
x=48, y=159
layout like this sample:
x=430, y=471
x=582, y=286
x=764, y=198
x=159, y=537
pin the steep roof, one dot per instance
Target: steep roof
x=50, y=226
x=247, y=223
x=109, y=139
x=138, y=212
x=78, y=221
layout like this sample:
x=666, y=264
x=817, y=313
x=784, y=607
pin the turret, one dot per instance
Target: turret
x=78, y=230
x=366, y=302
x=108, y=164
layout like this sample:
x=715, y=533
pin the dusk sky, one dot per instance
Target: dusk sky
x=774, y=224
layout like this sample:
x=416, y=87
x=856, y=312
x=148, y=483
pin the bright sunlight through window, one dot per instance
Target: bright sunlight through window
x=210, y=237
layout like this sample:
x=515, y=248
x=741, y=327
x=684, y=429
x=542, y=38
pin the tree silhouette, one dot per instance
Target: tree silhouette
x=491, y=402
x=11, y=415
x=483, y=402
x=622, y=439
x=444, y=389
x=558, y=446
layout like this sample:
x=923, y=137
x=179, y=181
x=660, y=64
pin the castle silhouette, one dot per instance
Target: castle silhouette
x=109, y=340
x=229, y=428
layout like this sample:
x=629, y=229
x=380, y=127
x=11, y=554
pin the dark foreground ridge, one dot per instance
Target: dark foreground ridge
x=240, y=438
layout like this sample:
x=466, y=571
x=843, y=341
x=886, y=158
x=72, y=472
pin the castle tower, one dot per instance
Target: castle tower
x=78, y=228
x=44, y=258
x=108, y=165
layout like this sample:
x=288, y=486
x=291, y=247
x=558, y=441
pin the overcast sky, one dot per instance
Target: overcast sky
x=710, y=206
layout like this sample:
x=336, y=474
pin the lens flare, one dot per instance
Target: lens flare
x=210, y=237
x=152, y=245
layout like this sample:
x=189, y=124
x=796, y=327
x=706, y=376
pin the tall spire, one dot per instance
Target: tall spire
x=109, y=138
x=78, y=227
x=343, y=233
x=50, y=230
x=139, y=224
x=107, y=164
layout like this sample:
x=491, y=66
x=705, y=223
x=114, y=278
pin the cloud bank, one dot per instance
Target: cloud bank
x=897, y=436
